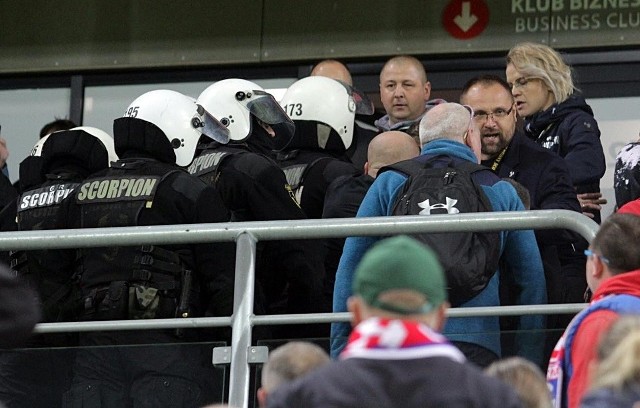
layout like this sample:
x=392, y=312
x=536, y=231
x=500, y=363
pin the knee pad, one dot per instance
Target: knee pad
x=165, y=391
x=93, y=395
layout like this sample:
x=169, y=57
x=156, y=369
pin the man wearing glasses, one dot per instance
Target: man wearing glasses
x=448, y=131
x=509, y=153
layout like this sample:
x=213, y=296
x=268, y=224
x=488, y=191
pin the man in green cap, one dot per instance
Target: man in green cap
x=396, y=356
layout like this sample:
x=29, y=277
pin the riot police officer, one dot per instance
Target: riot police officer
x=58, y=162
x=158, y=133
x=254, y=188
x=323, y=111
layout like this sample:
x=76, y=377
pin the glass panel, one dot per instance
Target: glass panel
x=40, y=376
x=23, y=112
x=619, y=125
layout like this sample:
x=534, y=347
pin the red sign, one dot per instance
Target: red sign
x=465, y=19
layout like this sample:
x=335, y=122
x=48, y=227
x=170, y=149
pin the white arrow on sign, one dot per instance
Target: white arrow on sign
x=465, y=20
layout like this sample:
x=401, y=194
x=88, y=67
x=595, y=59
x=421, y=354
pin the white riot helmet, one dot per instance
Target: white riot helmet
x=319, y=102
x=234, y=101
x=180, y=119
x=104, y=137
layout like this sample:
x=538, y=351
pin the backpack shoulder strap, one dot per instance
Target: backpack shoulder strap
x=470, y=167
x=413, y=166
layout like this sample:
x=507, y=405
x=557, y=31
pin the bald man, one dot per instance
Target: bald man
x=334, y=69
x=287, y=363
x=344, y=194
x=404, y=92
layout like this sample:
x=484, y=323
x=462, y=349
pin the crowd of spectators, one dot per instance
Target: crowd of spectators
x=234, y=153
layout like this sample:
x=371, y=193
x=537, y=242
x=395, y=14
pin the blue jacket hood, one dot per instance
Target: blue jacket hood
x=449, y=148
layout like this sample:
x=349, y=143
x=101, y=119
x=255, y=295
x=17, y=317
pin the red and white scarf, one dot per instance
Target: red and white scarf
x=390, y=339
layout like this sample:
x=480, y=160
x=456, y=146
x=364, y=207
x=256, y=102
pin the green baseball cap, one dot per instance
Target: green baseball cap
x=400, y=263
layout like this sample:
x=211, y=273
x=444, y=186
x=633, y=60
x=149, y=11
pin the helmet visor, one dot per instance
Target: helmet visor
x=209, y=126
x=263, y=106
x=364, y=106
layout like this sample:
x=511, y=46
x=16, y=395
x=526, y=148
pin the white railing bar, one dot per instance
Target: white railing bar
x=298, y=229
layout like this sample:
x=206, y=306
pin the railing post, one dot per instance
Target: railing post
x=241, y=320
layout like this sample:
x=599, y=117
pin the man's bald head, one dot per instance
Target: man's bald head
x=333, y=69
x=388, y=148
x=444, y=121
x=450, y=121
x=405, y=61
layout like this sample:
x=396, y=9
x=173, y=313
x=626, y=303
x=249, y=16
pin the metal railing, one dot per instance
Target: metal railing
x=247, y=234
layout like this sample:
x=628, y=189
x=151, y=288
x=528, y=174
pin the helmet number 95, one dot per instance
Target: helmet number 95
x=293, y=109
x=132, y=112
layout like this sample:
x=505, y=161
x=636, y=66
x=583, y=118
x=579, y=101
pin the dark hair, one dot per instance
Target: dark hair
x=57, y=124
x=618, y=239
x=486, y=79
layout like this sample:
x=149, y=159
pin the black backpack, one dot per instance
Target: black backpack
x=469, y=258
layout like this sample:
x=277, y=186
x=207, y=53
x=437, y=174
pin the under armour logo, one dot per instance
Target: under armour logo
x=449, y=206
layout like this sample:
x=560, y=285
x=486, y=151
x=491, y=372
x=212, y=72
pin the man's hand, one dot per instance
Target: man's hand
x=591, y=202
x=4, y=152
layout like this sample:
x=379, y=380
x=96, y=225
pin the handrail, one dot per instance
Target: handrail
x=266, y=320
x=298, y=229
x=248, y=233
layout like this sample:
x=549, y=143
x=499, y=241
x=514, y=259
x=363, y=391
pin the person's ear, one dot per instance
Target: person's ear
x=598, y=267
x=427, y=90
x=267, y=128
x=366, y=167
x=355, y=306
x=440, y=317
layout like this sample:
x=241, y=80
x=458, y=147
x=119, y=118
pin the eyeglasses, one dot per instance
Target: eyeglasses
x=482, y=116
x=521, y=82
x=589, y=252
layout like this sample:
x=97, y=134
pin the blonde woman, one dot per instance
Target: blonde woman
x=526, y=379
x=557, y=117
x=616, y=379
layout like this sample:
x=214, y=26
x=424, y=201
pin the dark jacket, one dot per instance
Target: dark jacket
x=321, y=169
x=254, y=188
x=546, y=177
x=362, y=136
x=7, y=191
x=424, y=382
x=342, y=200
x=570, y=130
x=18, y=309
x=543, y=173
